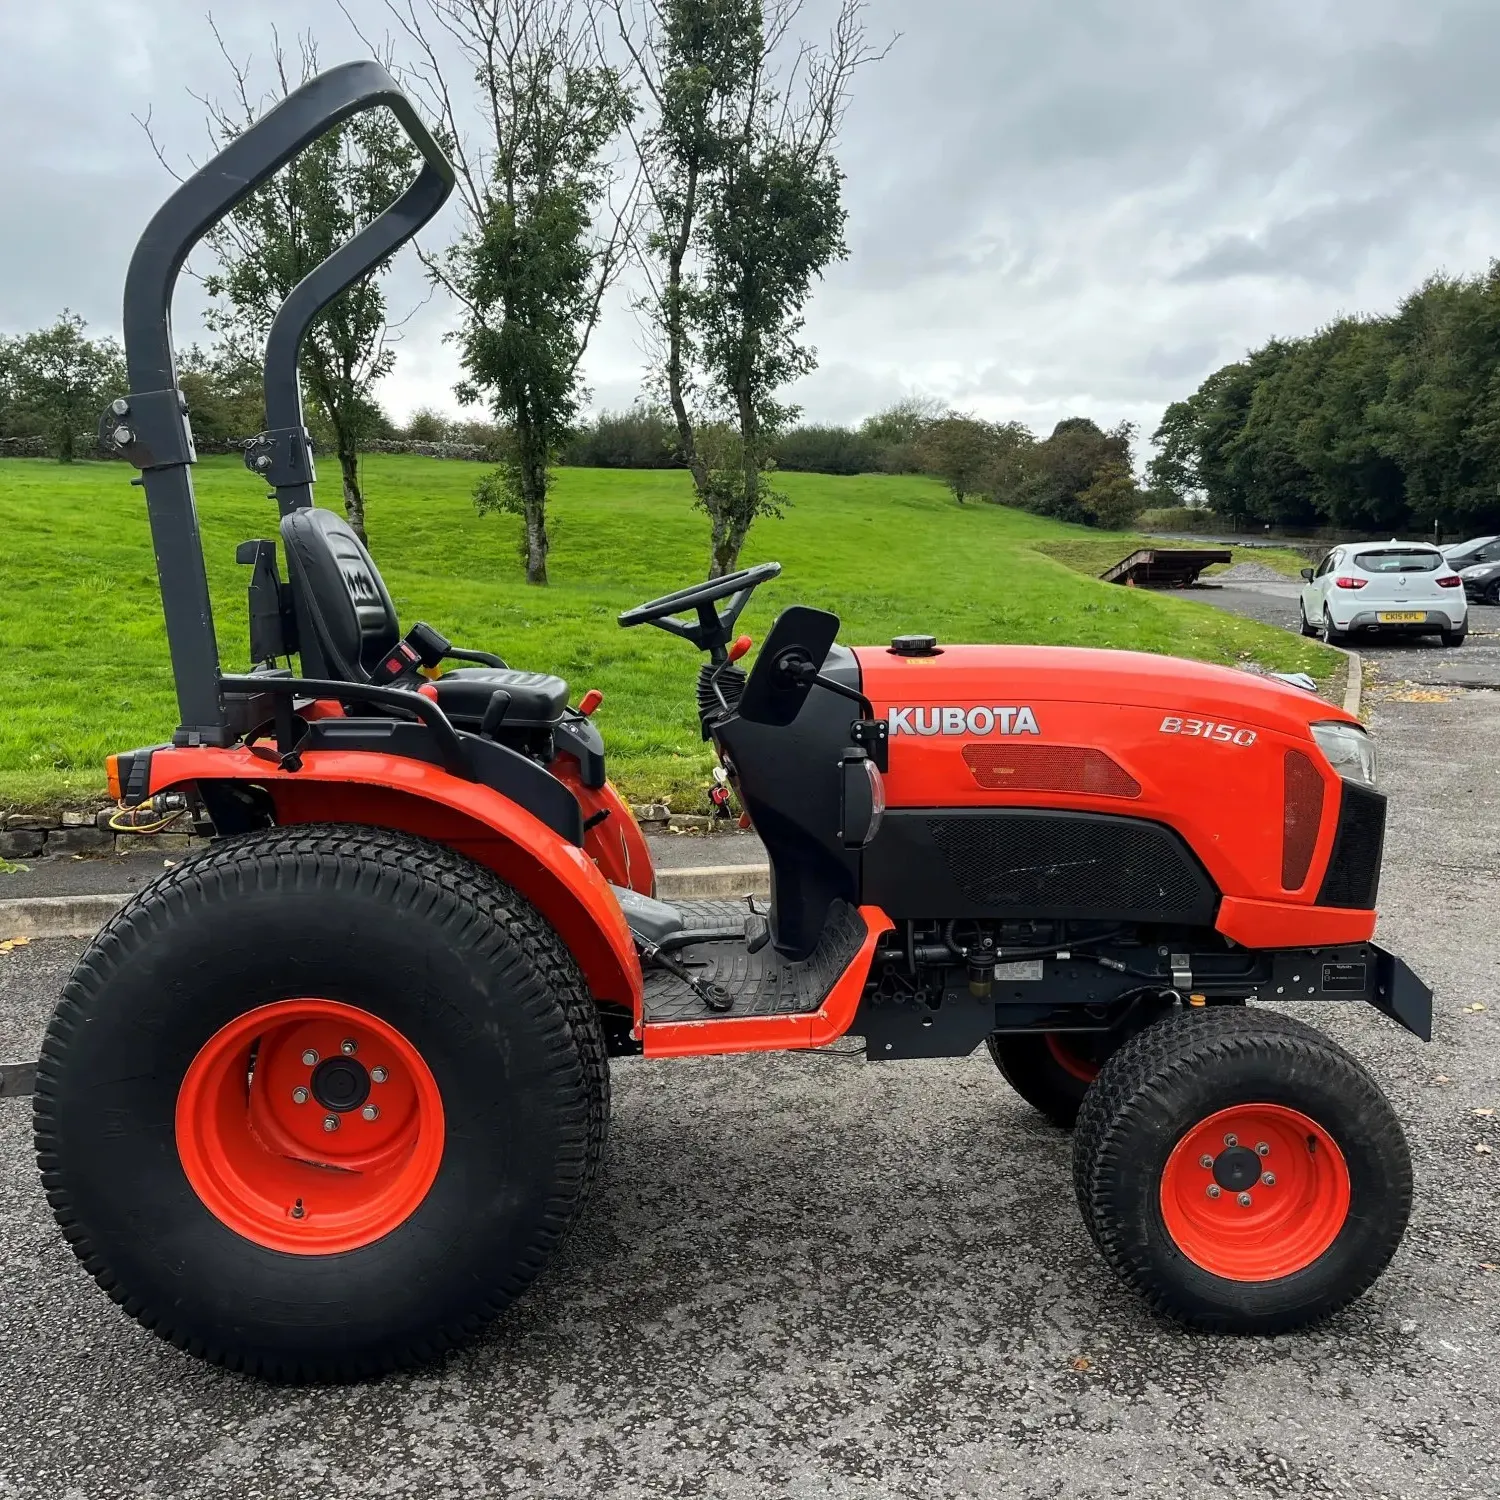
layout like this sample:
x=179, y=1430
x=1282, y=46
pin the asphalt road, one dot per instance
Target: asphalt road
x=1419, y=660
x=809, y=1276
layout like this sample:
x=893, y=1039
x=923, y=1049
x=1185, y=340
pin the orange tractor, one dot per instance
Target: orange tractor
x=323, y=1099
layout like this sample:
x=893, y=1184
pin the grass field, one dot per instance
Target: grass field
x=87, y=669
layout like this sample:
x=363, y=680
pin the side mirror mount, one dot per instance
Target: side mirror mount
x=1307, y=573
x=787, y=667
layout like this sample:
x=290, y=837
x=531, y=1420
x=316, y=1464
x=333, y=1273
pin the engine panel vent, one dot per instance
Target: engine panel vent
x=1353, y=875
x=1301, y=816
x=1049, y=768
x=1034, y=862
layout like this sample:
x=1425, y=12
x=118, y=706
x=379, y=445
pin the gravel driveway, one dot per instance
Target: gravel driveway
x=809, y=1276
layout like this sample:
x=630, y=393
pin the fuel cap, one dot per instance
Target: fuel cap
x=914, y=645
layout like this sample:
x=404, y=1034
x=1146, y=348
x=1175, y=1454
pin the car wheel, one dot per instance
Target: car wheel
x=1494, y=594
x=1455, y=637
x=1241, y=1171
x=1332, y=635
x=1302, y=620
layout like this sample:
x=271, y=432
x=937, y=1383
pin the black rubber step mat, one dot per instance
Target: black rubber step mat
x=761, y=984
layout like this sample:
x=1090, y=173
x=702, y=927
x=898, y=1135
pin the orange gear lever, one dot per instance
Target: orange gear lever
x=740, y=647
x=590, y=701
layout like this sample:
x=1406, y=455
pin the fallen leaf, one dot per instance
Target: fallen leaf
x=1442, y=1078
x=1081, y=1362
x=1488, y=1265
x=19, y=942
x=1477, y=1005
x=1484, y=1114
x=1483, y=1148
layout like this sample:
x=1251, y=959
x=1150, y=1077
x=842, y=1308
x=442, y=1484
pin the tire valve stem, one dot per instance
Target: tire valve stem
x=297, y=1211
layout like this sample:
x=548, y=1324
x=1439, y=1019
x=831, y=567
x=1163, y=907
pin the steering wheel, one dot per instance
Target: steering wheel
x=714, y=628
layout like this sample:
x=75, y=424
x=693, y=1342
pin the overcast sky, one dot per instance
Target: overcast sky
x=1056, y=206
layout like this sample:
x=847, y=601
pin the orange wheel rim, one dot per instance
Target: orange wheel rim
x=1255, y=1192
x=1069, y=1061
x=254, y=1133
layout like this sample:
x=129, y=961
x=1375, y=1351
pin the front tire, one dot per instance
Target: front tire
x=1332, y=635
x=1241, y=1171
x=273, y=984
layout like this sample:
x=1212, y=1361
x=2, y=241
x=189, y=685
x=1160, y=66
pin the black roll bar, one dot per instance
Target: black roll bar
x=150, y=427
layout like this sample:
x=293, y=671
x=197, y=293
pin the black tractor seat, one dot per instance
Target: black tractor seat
x=537, y=699
x=347, y=627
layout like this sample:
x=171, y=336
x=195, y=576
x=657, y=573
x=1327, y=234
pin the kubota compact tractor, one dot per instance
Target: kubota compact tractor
x=322, y=1099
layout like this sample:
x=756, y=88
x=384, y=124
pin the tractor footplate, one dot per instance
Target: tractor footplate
x=758, y=984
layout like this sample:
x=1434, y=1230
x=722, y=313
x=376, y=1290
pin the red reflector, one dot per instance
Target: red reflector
x=1351, y=583
x=740, y=647
x=1450, y=583
x=1049, y=768
x=590, y=701
x=1302, y=813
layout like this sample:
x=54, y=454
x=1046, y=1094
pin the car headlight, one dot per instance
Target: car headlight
x=1348, y=749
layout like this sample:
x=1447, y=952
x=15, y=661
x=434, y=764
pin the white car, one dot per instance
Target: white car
x=1384, y=588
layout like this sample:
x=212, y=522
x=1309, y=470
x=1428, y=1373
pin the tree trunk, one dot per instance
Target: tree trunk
x=354, y=500
x=532, y=465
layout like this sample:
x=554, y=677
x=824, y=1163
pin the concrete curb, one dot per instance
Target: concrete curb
x=1354, y=688
x=83, y=916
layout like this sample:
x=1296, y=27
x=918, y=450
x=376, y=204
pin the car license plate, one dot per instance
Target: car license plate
x=1402, y=617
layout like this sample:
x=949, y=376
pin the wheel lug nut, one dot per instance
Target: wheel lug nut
x=1262, y=1149
x=1213, y=1190
x=1243, y=1200
x=1269, y=1178
x=1205, y=1160
x=1231, y=1140
x=370, y=1112
x=348, y=1046
x=330, y=1122
x=378, y=1075
x=309, y=1058
x=299, y=1096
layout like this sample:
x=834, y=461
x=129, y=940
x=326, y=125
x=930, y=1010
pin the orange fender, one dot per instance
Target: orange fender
x=390, y=791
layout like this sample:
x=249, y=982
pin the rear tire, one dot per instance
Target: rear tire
x=1455, y=637
x=441, y=960
x=1309, y=1242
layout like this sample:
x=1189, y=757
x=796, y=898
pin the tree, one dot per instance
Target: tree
x=283, y=229
x=57, y=380
x=961, y=451
x=225, y=393
x=743, y=193
x=530, y=269
x=1112, y=499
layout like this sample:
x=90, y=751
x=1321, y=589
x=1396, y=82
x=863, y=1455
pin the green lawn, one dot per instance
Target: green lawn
x=87, y=668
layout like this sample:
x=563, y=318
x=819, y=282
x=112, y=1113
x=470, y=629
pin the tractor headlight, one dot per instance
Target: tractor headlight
x=1348, y=749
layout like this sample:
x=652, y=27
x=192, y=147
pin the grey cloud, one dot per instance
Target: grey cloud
x=1053, y=207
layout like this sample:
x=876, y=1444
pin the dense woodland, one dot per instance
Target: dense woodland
x=1387, y=423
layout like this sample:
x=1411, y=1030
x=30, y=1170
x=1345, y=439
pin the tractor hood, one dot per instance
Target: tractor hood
x=1007, y=683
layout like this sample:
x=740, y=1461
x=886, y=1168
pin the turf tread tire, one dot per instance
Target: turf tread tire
x=1173, y=1056
x=385, y=866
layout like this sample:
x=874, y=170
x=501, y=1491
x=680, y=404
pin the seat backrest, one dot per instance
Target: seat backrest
x=346, y=622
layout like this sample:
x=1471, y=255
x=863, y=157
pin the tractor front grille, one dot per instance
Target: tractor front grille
x=1353, y=875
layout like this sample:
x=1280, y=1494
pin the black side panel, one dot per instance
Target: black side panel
x=1353, y=875
x=496, y=766
x=789, y=778
x=996, y=862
